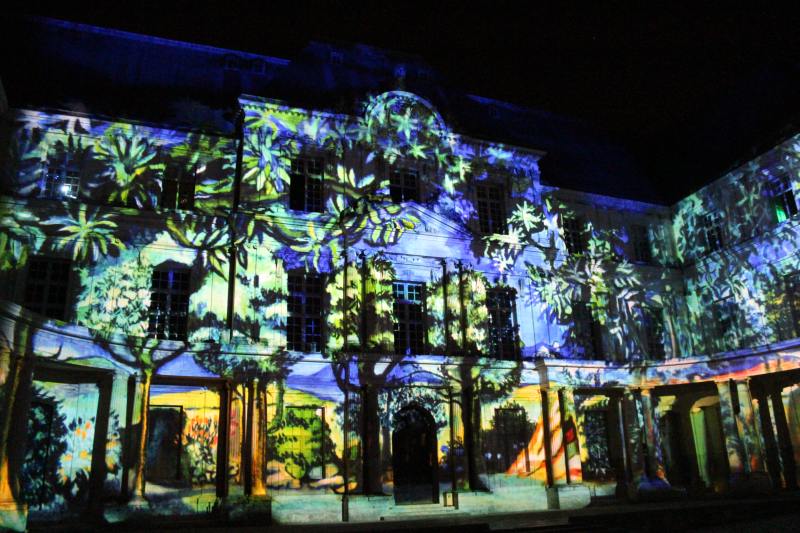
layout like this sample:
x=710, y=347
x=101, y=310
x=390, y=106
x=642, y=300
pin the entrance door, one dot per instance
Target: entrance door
x=414, y=457
x=165, y=444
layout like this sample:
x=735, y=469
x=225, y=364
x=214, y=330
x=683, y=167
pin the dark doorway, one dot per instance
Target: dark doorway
x=164, y=444
x=414, y=457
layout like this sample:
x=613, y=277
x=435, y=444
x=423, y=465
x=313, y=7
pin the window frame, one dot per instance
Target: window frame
x=641, y=243
x=574, y=229
x=713, y=225
x=421, y=323
x=720, y=342
x=183, y=179
x=782, y=196
x=294, y=185
x=589, y=330
x=652, y=322
x=503, y=339
x=32, y=279
x=175, y=325
x=488, y=224
x=59, y=171
x=400, y=196
x=303, y=344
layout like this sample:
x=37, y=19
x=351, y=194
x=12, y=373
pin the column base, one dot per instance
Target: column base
x=13, y=516
x=754, y=483
x=572, y=496
x=651, y=490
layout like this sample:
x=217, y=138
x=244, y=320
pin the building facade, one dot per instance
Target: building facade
x=327, y=315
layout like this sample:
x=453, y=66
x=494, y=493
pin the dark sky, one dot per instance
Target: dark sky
x=689, y=92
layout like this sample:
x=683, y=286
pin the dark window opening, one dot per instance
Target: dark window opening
x=793, y=299
x=305, y=186
x=653, y=325
x=725, y=314
x=501, y=303
x=169, y=304
x=409, y=330
x=491, y=209
x=304, y=322
x=404, y=185
x=506, y=443
x=641, y=244
x=575, y=235
x=588, y=334
x=47, y=287
x=711, y=225
x=784, y=203
x=178, y=188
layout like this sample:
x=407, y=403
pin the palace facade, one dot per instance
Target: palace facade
x=324, y=312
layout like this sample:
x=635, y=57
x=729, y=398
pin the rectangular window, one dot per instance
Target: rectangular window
x=653, y=325
x=793, y=299
x=784, y=203
x=305, y=186
x=409, y=310
x=711, y=224
x=404, y=185
x=726, y=324
x=507, y=440
x=501, y=304
x=169, y=304
x=641, y=244
x=588, y=334
x=491, y=209
x=304, y=323
x=47, y=287
x=178, y=188
x=575, y=235
x=61, y=178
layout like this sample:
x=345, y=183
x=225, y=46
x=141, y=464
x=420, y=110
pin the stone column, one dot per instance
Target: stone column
x=654, y=460
x=570, y=432
x=785, y=447
x=632, y=441
x=743, y=440
x=772, y=457
x=729, y=408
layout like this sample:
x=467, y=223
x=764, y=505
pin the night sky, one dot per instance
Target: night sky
x=689, y=93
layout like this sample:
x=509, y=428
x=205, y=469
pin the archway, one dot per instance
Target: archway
x=414, y=458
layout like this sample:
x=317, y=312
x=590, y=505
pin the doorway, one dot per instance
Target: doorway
x=414, y=458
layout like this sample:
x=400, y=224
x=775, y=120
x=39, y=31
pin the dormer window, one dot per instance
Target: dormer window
x=404, y=185
x=305, y=186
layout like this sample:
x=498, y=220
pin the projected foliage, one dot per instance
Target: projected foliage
x=240, y=240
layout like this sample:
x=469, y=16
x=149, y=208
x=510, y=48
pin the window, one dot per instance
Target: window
x=784, y=203
x=178, y=188
x=508, y=439
x=641, y=244
x=653, y=326
x=793, y=298
x=404, y=185
x=169, y=304
x=491, y=209
x=711, y=224
x=47, y=287
x=61, y=178
x=305, y=186
x=409, y=330
x=304, y=323
x=575, y=235
x=501, y=303
x=588, y=334
x=725, y=314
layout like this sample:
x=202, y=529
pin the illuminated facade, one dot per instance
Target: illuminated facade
x=328, y=315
